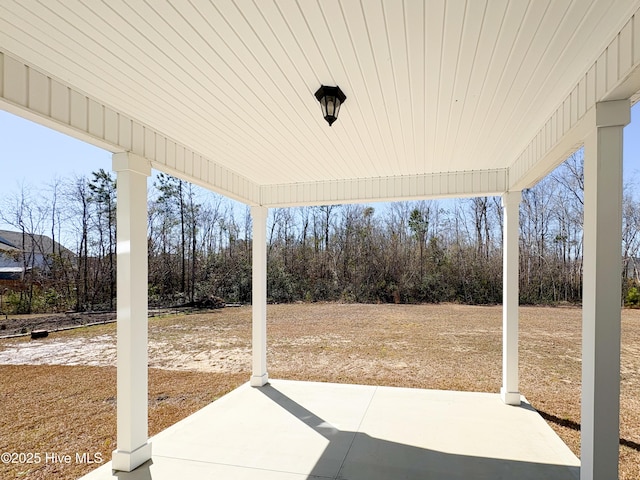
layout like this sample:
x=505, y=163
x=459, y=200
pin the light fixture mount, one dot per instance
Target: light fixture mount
x=330, y=98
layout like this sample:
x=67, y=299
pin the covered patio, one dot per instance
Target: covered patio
x=301, y=430
x=443, y=99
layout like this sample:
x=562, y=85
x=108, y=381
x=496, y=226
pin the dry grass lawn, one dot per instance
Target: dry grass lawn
x=197, y=358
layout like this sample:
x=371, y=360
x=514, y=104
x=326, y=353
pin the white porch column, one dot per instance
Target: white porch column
x=601, y=292
x=259, y=375
x=133, y=448
x=510, y=297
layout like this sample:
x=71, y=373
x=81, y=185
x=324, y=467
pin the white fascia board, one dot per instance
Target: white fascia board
x=387, y=189
x=27, y=92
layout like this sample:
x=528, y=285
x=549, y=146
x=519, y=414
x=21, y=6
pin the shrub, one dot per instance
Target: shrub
x=632, y=298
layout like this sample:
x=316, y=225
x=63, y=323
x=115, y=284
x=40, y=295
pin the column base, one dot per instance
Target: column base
x=259, y=381
x=128, y=461
x=510, y=398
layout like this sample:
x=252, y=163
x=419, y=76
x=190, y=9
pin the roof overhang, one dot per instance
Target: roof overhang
x=443, y=98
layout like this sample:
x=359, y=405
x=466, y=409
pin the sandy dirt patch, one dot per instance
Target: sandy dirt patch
x=176, y=342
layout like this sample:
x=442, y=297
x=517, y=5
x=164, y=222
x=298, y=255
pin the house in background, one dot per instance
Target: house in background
x=12, y=267
x=10, y=271
x=23, y=252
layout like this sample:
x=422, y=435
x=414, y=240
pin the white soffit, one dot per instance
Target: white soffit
x=443, y=98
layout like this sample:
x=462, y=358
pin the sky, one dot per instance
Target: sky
x=631, y=152
x=33, y=155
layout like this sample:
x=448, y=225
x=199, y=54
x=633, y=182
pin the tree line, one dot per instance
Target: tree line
x=404, y=252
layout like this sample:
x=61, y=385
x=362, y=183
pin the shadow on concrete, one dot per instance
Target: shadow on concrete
x=356, y=456
x=143, y=472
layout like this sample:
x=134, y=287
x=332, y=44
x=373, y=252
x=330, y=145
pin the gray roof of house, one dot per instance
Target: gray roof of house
x=13, y=243
x=6, y=244
x=32, y=242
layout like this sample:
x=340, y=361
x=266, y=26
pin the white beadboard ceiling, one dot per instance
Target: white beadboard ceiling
x=433, y=87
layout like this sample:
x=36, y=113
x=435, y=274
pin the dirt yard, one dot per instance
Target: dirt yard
x=58, y=394
x=11, y=325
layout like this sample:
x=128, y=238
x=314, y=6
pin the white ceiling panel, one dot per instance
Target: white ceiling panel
x=433, y=87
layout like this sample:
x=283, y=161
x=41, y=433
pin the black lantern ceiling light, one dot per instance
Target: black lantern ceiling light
x=330, y=99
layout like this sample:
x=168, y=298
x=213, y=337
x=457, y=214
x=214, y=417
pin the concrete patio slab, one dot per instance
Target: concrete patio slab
x=302, y=430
